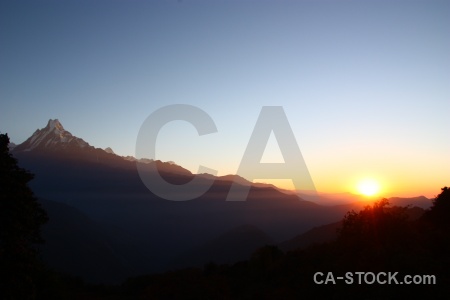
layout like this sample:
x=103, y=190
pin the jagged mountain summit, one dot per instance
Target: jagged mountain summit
x=54, y=144
x=55, y=141
x=53, y=136
x=109, y=150
x=132, y=225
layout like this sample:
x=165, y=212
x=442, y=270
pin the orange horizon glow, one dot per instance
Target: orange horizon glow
x=385, y=190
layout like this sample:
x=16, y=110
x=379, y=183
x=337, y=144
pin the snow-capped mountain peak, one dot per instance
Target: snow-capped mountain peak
x=55, y=125
x=52, y=136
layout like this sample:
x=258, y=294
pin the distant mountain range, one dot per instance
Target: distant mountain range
x=348, y=198
x=105, y=225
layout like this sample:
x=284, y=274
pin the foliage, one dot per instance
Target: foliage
x=20, y=219
x=378, y=238
x=439, y=213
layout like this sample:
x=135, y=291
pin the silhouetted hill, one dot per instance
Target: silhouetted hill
x=232, y=246
x=317, y=235
x=328, y=233
x=77, y=245
x=421, y=201
x=332, y=199
x=395, y=246
x=149, y=232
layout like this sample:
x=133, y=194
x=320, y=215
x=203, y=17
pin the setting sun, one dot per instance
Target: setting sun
x=368, y=187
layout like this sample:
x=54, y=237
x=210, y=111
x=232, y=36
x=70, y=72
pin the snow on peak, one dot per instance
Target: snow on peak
x=55, y=125
x=53, y=135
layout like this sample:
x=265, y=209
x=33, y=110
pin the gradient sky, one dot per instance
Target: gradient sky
x=365, y=84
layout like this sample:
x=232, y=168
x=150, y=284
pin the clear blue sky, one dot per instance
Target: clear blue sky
x=365, y=84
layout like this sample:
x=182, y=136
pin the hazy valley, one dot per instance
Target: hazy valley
x=105, y=225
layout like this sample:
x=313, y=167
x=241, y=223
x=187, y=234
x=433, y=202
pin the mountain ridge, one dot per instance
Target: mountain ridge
x=108, y=190
x=52, y=136
x=54, y=139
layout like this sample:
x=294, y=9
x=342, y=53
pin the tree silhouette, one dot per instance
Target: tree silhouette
x=439, y=213
x=20, y=219
x=436, y=221
x=375, y=224
x=377, y=238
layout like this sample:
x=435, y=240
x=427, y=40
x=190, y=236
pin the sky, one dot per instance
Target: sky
x=365, y=85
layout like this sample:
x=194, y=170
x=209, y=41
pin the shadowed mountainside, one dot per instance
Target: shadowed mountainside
x=236, y=244
x=108, y=190
x=77, y=245
x=108, y=211
x=330, y=232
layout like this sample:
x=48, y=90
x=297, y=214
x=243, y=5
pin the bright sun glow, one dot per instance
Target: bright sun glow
x=368, y=187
